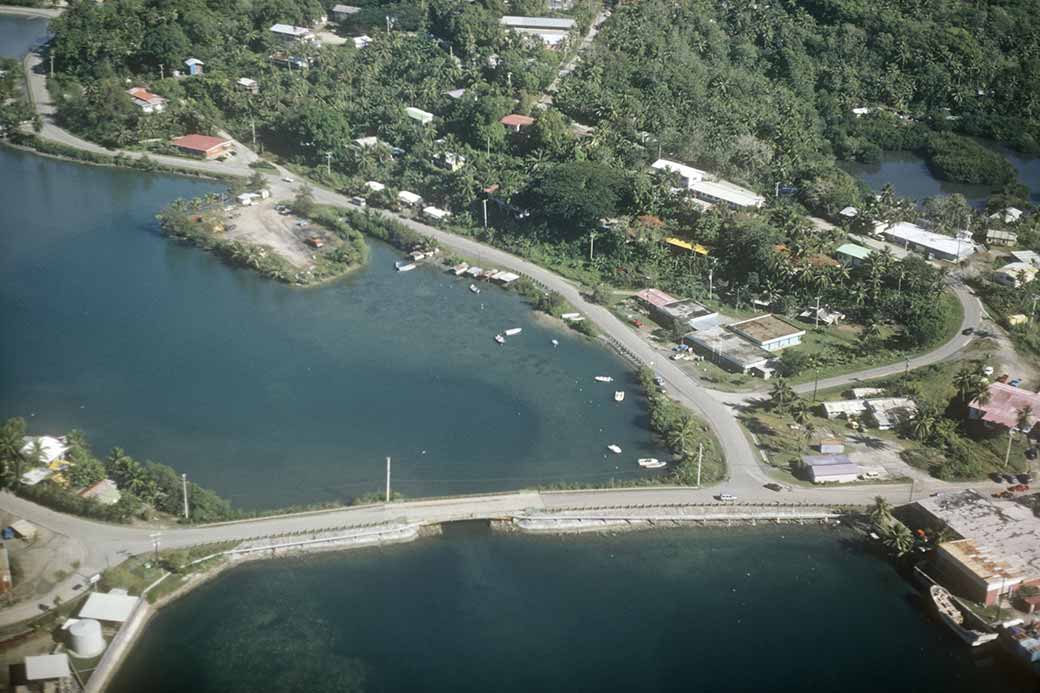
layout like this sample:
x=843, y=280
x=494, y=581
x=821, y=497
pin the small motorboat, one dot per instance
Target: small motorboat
x=474, y=288
x=556, y=342
x=619, y=396
x=651, y=463
x=614, y=448
x=500, y=339
x=604, y=378
x=513, y=330
x=404, y=266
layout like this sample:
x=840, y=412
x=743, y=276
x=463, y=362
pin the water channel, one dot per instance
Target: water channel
x=764, y=609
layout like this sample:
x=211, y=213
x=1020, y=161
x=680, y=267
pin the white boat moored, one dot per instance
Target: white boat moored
x=619, y=396
x=614, y=448
x=500, y=339
x=513, y=330
x=604, y=378
x=474, y=288
x=556, y=342
x=404, y=266
x=651, y=463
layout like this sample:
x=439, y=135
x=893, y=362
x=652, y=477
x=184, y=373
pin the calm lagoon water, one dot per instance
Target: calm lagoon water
x=274, y=395
x=763, y=609
x=910, y=177
x=19, y=35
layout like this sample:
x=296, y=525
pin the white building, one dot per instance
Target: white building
x=375, y=186
x=409, y=198
x=831, y=469
x=550, y=31
x=290, y=33
x=50, y=448
x=768, y=332
x=361, y=41
x=436, y=213
x=114, y=606
x=48, y=668
x=248, y=84
x=1009, y=215
x=419, y=115
x=707, y=188
x=342, y=12
x=913, y=237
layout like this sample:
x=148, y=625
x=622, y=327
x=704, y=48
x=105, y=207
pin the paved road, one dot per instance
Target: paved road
x=47, y=13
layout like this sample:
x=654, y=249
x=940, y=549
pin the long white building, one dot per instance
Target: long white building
x=708, y=188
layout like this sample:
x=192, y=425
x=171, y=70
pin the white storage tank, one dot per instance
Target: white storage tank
x=85, y=638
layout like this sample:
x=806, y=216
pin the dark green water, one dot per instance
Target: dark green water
x=274, y=395
x=705, y=610
x=19, y=35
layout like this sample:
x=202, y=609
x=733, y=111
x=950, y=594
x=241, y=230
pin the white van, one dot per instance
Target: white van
x=726, y=497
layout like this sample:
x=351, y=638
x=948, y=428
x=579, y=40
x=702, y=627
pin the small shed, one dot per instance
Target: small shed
x=1000, y=237
x=194, y=66
x=247, y=84
x=112, y=607
x=419, y=115
x=436, y=213
x=344, y=12
x=375, y=186
x=361, y=41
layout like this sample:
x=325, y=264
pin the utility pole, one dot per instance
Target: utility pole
x=387, y=479
x=1007, y=455
x=710, y=272
x=252, y=126
x=485, y=213
x=817, y=315
x=592, y=241
x=700, y=458
x=388, y=30
x=155, y=543
x=184, y=482
x=328, y=163
x=52, y=64
x=162, y=71
x=1032, y=314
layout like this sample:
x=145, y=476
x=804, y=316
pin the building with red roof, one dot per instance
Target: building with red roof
x=516, y=122
x=146, y=100
x=1003, y=407
x=202, y=146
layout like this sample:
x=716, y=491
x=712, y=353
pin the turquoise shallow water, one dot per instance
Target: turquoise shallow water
x=762, y=609
x=275, y=395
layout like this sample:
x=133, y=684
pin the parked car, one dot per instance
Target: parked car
x=1030, y=453
x=996, y=476
x=726, y=497
x=773, y=486
x=968, y=330
x=1010, y=479
x=358, y=201
x=1025, y=478
x=987, y=371
x=1015, y=383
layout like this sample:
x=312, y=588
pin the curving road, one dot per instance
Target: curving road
x=101, y=545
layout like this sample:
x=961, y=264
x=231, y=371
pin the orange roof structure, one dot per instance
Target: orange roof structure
x=517, y=121
x=200, y=143
x=1005, y=402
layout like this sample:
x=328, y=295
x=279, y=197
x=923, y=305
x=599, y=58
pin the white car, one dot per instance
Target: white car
x=288, y=180
x=726, y=497
x=987, y=371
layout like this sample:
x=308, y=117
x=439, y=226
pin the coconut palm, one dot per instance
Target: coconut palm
x=781, y=395
x=898, y=538
x=683, y=436
x=881, y=513
x=970, y=383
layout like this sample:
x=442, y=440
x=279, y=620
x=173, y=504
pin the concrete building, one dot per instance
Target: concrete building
x=934, y=245
x=247, y=84
x=418, y=115
x=998, y=546
x=293, y=34
x=830, y=446
x=821, y=316
x=409, y=198
x=146, y=100
x=1027, y=256
x=203, y=146
x=344, y=12
x=436, y=213
x=1009, y=215
x=1000, y=237
x=49, y=672
x=831, y=469
x=885, y=413
x=114, y=606
x=1015, y=274
x=1004, y=405
x=768, y=332
x=375, y=186
x=728, y=349
x=450, y=161
x=551, y=31
x=669, y=311
x=707, y=188
x=852, y=254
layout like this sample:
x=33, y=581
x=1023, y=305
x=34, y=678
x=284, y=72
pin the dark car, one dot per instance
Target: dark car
x=1025, y=478
x=1010, y=479
x=1030, y=453
x=997, y=477
x=968, y=330
x=772, y=486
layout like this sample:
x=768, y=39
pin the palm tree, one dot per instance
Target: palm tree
x=781, y=395
x=881, y=513
x=970, y=383
x=12, y=435
x=683, y=436
x=899, y=539
x=923, y=427
x=1023, y=424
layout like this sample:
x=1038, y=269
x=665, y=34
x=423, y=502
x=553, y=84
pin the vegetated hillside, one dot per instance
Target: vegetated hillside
x=767, y=89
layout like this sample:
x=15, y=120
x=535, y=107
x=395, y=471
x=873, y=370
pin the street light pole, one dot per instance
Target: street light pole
x=817, y=326
x=700, y=458
x=387, y=479
x=184, y=481
x=592, y=242
x=328, y=163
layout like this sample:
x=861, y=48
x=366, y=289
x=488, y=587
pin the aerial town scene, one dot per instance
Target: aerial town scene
x=516, y=345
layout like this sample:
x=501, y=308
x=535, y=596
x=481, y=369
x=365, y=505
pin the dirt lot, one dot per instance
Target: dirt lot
x=261, y=224
x=40, y=563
